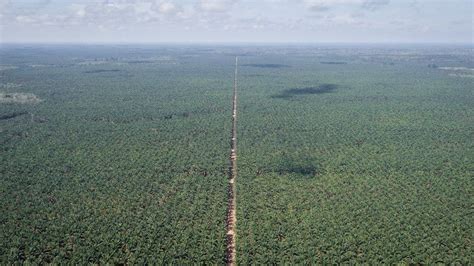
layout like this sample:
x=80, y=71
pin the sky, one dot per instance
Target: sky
x=230, y=21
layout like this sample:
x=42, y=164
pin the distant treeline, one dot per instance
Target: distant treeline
x=101, y=71
x=267, y=65
x=333, y=63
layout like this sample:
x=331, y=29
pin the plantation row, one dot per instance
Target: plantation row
x=346, y=155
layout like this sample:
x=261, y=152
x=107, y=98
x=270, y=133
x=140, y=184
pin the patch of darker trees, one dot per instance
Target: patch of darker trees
x=12, y=115
x=321, y=89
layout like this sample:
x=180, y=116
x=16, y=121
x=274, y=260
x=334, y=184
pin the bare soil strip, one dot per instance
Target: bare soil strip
x=231, y=193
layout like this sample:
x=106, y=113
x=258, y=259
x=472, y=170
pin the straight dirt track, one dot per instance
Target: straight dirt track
x=231, y=193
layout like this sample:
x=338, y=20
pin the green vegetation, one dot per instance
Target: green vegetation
x=101, y=174
x=345, y=154
x=377, y=167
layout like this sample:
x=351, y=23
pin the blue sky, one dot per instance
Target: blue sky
x=144, y=21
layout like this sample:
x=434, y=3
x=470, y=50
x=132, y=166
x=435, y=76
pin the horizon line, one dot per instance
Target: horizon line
x=231, y=43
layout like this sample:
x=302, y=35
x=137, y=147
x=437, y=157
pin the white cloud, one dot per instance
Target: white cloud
x=319, y=5
x=179, y=19
x=216, y=5
x=167, y=8
x=374, y=4
x=325, y=5
x=25, y=19
x=79, y=10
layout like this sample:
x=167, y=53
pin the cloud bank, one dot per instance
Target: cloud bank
x=236, y=20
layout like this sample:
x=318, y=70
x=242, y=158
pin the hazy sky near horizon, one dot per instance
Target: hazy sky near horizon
x=142, y=21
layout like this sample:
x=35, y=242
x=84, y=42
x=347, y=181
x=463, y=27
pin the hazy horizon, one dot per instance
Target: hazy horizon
x=216, y=43
x=239, y=21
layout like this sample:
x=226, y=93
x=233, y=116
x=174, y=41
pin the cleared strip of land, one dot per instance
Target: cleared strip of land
x=231, y=196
